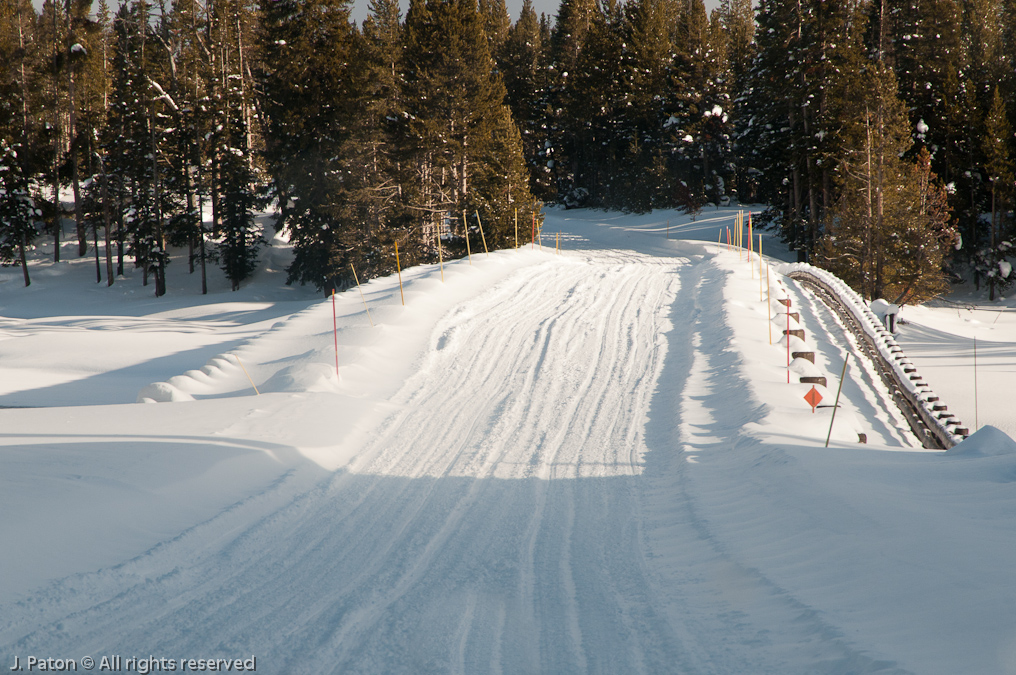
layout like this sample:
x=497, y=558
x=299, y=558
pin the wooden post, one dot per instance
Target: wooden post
x=357, y=280
x=482, y=235
x=398, y=266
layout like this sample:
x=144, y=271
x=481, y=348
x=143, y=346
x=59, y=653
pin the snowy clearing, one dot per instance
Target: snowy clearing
x=579, y=462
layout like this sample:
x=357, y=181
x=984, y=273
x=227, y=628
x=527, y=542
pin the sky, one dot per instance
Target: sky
x=361, y=7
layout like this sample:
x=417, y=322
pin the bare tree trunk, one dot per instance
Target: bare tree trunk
x=160, y=239
x=72, y=121
x=24, y=261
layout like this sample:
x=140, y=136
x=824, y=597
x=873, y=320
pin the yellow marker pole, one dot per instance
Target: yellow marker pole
x=465, y=226
x=398, y=266
x=557, y=245
x=482, y=234
x=355, y=278
x=769, y=304
x=751, y=237
x=248, y=374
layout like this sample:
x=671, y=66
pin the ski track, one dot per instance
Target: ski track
x=531, y=505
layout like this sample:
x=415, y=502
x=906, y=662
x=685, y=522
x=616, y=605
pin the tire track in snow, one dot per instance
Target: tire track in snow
x=465, y=502
x=754, y=624
x=515, y=513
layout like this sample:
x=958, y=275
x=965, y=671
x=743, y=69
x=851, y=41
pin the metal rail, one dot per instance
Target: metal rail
x=927, y=417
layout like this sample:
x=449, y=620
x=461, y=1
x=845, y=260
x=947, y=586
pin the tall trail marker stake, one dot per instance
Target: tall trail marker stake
x=398, y=266
x=769, y=305
x=465, y=226
x=482, y=234
x=977, y=424
x=440, y=255
x=335, y=334
x=837, y=403
x=357, y=280
x=516, y=228
x=248, y=374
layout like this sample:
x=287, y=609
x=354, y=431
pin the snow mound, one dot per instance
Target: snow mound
x=988, y=441
x=311, y=377
x=162, y=392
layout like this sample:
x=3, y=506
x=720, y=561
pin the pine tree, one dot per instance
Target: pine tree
x=134, y=142
x=1001, y=171
x=234, y=177
x=524, y=70
x=17, y=210
x=375, y=191
x=461, y=146
x=890, y=234
x=310, y=90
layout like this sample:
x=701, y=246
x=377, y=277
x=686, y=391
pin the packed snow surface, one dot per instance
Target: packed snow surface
x=585, y=460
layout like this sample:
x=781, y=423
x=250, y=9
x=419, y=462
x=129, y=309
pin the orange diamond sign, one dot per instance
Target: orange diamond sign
x=813, y=397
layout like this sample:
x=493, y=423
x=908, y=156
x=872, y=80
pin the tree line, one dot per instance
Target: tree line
x=878, y=133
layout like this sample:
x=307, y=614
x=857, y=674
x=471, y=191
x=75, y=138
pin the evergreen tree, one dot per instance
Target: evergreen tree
x=890, y=234
x=376, y=189
x=17, y=210
x=524, y=70
x=461, y=146
x=1001, y=171
x=133, y=143
x=234, y=176
x=310, y=82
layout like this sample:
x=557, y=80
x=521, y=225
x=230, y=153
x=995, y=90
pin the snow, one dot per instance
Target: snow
x=547, y=462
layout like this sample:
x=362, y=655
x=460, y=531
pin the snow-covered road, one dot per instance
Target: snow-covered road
x=576, y=468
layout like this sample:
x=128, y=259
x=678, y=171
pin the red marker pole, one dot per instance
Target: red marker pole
x=335, y=333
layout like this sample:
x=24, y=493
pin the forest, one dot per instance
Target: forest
x=878, y=134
